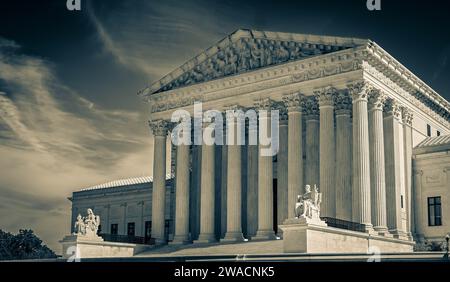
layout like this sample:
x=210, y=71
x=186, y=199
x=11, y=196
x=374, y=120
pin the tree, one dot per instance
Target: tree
x=23, y=245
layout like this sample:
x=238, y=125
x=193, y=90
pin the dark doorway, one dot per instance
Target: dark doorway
x=275, y=211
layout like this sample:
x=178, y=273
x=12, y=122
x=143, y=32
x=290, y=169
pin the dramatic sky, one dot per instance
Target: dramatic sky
x=69, y=113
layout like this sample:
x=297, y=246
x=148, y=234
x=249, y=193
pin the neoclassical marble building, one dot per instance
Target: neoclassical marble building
x=350, y=115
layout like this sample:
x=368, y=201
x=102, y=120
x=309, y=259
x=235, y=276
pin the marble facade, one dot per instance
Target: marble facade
x=351, y=115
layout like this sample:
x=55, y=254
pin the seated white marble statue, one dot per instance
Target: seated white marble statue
x=308, y=204
x=87, y=226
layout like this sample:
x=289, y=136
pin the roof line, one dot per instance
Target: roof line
x=122, y=182
x=243, y=33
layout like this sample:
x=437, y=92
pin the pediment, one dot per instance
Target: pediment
x=246, y=50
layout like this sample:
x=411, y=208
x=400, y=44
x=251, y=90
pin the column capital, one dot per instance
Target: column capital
x=359, y=90
x=407, y=116
x=343, y=103
x=264, y=104
x=159, y=127
x=230, y=112
x=392, y=107
x=234, y=108
x=294, y=102
x=311, y=107
x=377, y=99
x=283, y=111
x=326, y=96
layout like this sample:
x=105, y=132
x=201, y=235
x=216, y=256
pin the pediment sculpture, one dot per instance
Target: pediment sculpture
x=308, y=204
x=243, y=55
x=88, y=225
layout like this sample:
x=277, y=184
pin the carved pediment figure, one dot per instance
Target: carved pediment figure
x=246, y=50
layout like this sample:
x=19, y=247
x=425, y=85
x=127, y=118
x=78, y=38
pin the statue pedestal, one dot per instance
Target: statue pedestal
x=93, y=246
x=305, y=235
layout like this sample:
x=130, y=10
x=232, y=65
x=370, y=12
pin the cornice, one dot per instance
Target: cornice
x=261, y=79
x=400, y=75
x=370, y=59
x=399, y=91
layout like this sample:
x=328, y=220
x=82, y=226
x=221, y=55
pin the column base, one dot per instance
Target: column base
x=206, y=239
x=382, y=231
x=279, y=233
x=180, y=240
x=399, y=234
x=264, y=235
x=232, y=237
x=409, y=236
x=368, y=228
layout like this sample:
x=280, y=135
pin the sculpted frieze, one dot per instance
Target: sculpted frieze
x=244, y=55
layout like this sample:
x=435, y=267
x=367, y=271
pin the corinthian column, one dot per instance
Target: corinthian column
x=282, y=169
x=234, y=181
x=327, y=151
x=159, y=129
x=312, y=141
x=343, y=169
x=182, y=195
x=377, y=163
x=394, y=158
x=294, y=104
x=252, y=180
x=361, y=165
x=407, y=135
x=207, y=197
x=265, y=175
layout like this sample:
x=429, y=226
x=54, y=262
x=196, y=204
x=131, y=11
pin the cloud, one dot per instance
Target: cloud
x=54, y=141
x=140, y=35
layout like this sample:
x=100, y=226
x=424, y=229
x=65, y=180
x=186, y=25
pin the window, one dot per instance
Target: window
x=434, y=211
x=130, y=229
x=438, y=133
x=401, y=201
x=428, y=130
x=148, y=229
x=114, y=229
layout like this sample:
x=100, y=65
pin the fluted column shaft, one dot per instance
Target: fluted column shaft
x=394, y=159
x=327, y=152
x=377, y=162
x=234, y=188
x=252, y=182
x=265, y=177
x=159, y=129
x=207, y=197
x=282, y=172
x=343, y=157
x=361, y=158
x=294, y=105
x=407, y=135
x=182, y=195
x=312, y=142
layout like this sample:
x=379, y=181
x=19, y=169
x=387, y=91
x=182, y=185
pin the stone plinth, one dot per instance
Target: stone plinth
x=303, y=236
x=79, y=247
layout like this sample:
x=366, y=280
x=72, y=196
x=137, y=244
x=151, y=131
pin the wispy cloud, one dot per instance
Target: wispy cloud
x=53, y=141
x=139, y=36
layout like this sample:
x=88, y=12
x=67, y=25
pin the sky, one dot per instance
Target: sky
x=70, y=116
